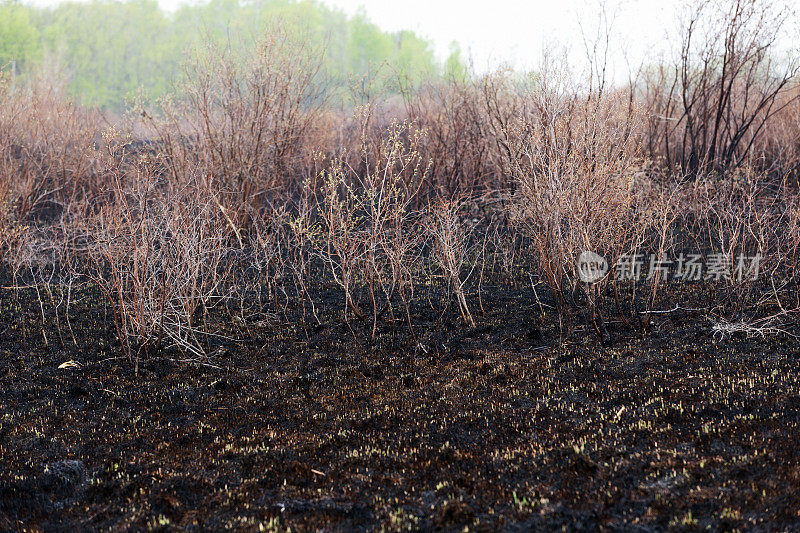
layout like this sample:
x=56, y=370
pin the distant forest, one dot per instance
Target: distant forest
x=108, y=52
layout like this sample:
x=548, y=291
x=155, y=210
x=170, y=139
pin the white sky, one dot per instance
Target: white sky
x=514, y=31
x=494, y=32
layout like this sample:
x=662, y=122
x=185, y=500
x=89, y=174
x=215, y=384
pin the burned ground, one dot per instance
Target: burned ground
x=506, y=426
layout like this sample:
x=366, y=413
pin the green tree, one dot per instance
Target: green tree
x=367, y=46
x=19, y=38
x=114, y=49
x=454, y=66
x=413, y=59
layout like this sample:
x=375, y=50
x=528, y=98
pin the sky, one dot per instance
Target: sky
x=516, y=32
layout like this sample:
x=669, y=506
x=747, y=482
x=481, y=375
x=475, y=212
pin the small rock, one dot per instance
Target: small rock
x=65, y=473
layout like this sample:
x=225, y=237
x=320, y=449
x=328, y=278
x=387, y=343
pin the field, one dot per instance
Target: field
x=499, y=428
x=486, y=301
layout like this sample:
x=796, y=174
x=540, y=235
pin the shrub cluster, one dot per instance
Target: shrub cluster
x=250, y=198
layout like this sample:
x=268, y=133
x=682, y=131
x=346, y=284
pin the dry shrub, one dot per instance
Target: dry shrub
x=246, y=187
x=709, y=109
x=734, y=219
x=48, y=169
x=159, y=254
x=43, y=259
x=453, y=249
x=369, y=242
x=265, y=267
x=779, y=144
x=46, y=154
x=657, y=236
x=242, y=123
x=458, y=142
x=792, y=246
x=575, y=162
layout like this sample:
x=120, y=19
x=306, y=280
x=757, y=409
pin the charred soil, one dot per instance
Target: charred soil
x=513, y=424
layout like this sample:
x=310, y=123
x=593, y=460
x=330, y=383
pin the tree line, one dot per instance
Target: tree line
x=111, y=51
